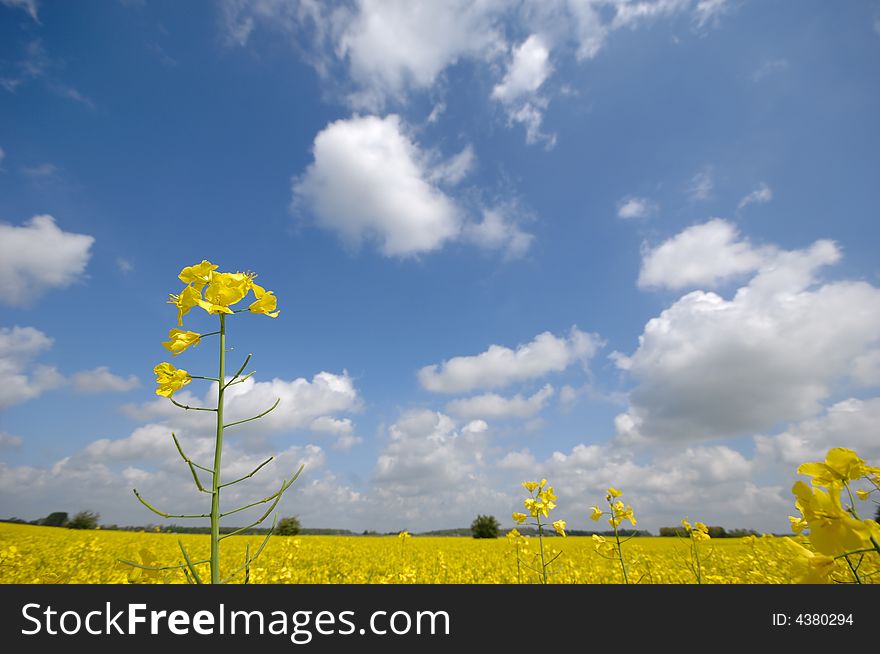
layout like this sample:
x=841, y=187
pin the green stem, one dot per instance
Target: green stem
x=218, y=451
x=541, y=543
x=696, y=554
x=619, y=549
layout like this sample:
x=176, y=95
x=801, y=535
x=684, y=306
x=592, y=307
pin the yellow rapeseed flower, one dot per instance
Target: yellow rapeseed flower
x=833, y=531
x=224, y=290
x=199, y=274
x=266, y=302
x=797, y=524
x=530, y=485
x=813, y=568
x=180, y=340
x=841, y=465
x=613, y=492
x=404, y=535
x=597, y=513
x=188, y=298
x=559, y=526
x=519, y=518
x=170, y=379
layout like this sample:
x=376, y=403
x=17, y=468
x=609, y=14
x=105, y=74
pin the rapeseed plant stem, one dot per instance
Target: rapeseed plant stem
x=218, y=453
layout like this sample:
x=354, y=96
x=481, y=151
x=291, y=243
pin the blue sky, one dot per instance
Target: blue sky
x=625, y=243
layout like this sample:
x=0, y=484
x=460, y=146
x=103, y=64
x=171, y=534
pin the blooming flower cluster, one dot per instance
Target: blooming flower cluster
x=215, y=292
x=835, y=531
x=698, y=531
x=618, y=511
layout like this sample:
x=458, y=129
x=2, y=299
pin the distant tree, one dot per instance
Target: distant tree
x=289, y=526
x=485, y=526
x=84, y=520
x=57, y=519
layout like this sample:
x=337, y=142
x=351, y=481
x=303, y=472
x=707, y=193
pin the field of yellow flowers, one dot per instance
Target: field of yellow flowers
x=30, y=554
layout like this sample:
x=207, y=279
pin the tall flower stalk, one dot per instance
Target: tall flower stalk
x=617, y=512
x=540, y=502
x=216, y=293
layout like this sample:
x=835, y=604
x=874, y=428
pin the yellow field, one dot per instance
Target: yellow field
x=30, y=554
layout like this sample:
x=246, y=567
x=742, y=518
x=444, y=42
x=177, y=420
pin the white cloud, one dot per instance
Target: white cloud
x=384, y=50
x=38, y=256
x=528, y=69
x=498, y=232
x=342, y=429
x=426, y=454
x=22, y=379
x=709, y=11
x=101, y=477
x=770, y=67
x=393, y=46
x=500, y=366
x=630, y=14
x=369, y=180
x=456, y=168
x=701, y=185
x=761, y=195
x=634, y=207
x=492, y=405
x=521, y=460
x=29, y=6
x=706, y=254
x=9, y=441
x=850, y=423
x=301, y=403
x=708, y=368
x=101, y=380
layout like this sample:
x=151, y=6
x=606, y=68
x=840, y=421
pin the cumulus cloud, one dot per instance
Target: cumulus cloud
x=528, y=69
x=850, y=423
x=37, y=257
x=708, y=367
x=387, y=48
x=761, y=195
x=427, y=454
x=501, y=366
x=369, y=180
x=302, y=403
x=717, y=481
x=634, y=207
x=101, y=380
x=497, y=231
x=342, y=429
x=492, y=405
x=101, y=477
x=23, y=379
x=383, y=51
x=706, y=254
